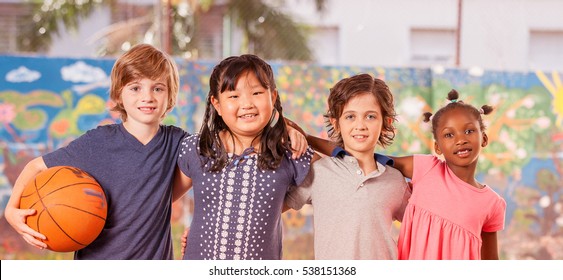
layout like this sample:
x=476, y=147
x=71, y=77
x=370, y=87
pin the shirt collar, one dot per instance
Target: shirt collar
x=384, y=160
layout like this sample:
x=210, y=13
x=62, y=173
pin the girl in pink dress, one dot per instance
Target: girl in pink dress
x=450, y=215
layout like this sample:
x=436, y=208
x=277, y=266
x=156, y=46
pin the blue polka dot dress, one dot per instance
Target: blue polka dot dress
x=237, y=211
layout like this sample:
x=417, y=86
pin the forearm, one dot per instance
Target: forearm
x=321, y=145
x=181, y=185
x=489, y=248
x=405, y=165
x=29, y=172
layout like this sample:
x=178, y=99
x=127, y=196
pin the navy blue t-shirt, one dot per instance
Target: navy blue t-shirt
x=137, y=180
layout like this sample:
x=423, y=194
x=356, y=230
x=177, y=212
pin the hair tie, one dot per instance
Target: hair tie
x=481, y=111
x=274, y=118
x=453, y=101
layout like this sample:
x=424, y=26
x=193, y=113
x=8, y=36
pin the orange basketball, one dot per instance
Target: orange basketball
x=71, y=207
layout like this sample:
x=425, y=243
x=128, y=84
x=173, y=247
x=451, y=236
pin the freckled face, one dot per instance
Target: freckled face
x=360, y=124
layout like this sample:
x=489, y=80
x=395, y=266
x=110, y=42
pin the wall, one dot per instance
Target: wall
x=47, y=102
x=495, y=34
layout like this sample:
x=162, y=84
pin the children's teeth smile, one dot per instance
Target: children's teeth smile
x=462, y=152
x=248, y=116
x=147, y=109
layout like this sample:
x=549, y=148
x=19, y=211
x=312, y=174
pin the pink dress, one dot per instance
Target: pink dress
x=445, y=215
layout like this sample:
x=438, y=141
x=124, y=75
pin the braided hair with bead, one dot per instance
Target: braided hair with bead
x=453, y=97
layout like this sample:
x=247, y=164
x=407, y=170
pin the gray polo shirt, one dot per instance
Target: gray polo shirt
x=353, y=212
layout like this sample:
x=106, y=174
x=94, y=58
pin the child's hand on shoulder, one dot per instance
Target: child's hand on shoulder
x=298, y=142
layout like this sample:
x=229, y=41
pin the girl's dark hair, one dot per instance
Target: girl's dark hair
x=273, y=143
x=453, y=97
x=353, y=86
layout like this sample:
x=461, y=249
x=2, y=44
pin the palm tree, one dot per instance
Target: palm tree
x=44, y=21
x=266, y=31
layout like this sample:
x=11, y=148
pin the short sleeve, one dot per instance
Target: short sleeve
x=495, y=222
x=398, y=215
x=301, y=166
x=75, y=152
x=297, y=196
x=422, y=164
x=188, y=154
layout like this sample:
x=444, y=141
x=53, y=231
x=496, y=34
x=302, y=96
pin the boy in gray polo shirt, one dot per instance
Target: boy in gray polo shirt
x=356, y=194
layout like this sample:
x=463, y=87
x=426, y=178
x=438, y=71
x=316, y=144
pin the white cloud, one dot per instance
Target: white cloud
x=22, y=74
x=81, y=72
x=476, y=71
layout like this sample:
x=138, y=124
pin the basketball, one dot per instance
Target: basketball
x=71, y=207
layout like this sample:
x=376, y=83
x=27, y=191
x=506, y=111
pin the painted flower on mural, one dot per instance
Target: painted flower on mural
x=509, y=129
x=411, y=108
x=74, y=120
x=7, y=113
x=412, y=134
x=30, y=109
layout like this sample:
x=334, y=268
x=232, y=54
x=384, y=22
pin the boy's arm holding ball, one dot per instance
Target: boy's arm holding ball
x=16, y=217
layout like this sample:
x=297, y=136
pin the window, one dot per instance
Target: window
x=546, y=50
x=11, y=24
x=324, y=43
x=432, y=46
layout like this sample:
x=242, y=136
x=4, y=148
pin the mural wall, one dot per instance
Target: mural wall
x=47, y=102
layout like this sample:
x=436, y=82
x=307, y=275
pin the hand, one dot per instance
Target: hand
x=16, y=218
x=184, y=240
x=298, y=142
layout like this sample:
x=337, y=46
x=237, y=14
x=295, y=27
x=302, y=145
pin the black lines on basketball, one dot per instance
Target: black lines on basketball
x=71, y=207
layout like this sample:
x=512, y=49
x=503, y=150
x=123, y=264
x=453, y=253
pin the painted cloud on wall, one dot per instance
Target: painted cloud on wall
x=80, y=72
x=22, y=75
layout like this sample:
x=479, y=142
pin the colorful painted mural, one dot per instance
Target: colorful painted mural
x=47, y=102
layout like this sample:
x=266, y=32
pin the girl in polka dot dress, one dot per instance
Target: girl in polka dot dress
x=239, y=166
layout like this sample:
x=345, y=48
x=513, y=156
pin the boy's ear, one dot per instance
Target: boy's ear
x=485, y=140
x=436, y=148
x=215, y=103
x=334, y=124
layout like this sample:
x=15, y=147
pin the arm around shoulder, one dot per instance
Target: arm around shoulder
x=320, y=145
x=405, y=165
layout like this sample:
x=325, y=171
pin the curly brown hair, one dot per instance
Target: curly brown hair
x=351, y=87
